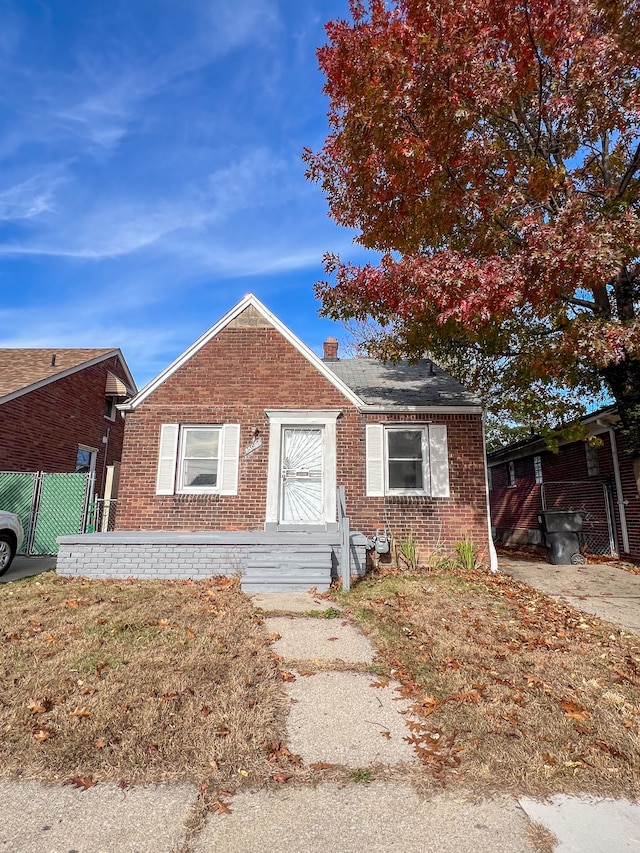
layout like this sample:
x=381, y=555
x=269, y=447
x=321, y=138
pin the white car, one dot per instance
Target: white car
x=11, y=536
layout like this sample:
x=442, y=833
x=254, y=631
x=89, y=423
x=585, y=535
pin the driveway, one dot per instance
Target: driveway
x=601, y=590
x=26, y=567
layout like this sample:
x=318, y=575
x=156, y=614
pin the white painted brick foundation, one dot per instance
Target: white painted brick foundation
x=266, y=561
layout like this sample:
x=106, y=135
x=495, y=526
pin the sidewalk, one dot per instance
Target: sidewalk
x=337, y=717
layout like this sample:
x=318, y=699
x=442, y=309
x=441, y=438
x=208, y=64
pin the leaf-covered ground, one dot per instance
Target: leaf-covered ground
x=515, y=691
x=135, y=682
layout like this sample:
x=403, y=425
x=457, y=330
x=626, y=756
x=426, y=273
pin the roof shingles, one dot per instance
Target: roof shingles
x=379, y=383
x=21, y=368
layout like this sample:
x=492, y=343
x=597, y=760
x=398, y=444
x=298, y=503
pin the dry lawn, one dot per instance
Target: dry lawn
x=135, y=682
x=514, y=690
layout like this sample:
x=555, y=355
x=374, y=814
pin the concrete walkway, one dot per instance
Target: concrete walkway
x=601, y=590
x=338, y=717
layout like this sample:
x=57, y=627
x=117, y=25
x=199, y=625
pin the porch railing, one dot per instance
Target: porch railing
x=345, y=539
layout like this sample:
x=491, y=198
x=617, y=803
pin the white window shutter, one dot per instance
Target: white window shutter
x=165, y=482
x=230, y=457
x=439, y=461
x=375, y=460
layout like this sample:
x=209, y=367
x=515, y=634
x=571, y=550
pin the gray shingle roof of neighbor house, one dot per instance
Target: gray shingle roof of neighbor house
x=380, y=383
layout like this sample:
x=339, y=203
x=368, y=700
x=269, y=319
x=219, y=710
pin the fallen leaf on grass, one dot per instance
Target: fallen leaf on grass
x=82, y=782
x=281, y=777
x=273, y=638
x=220, y=807
x=39, y=706
x=307, y=673
x=470, y=696
x=80, y=712
x=379, y=684
x=321, y=765
x=287, y=676
x=429, y=704
x=222, y=731
x=100, y=743
x=41, y=734
x=573, y=711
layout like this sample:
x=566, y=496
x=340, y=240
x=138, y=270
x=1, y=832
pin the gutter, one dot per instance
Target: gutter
x=619, y=493
x=493, y=556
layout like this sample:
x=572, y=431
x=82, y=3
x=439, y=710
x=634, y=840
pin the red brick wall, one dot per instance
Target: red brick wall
x=233, y=379
x=515, y=509
x=41, y=430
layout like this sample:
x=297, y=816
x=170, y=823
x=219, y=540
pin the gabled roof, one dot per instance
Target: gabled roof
x=25, y=370
x=368, y=384
x=401, y=384
x=597, y=422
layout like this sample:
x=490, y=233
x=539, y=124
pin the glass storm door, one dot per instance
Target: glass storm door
x=302, y=486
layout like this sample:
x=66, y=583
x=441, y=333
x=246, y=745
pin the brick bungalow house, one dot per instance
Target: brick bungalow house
x=242, y=442
x=526, y=477
x=58, y=409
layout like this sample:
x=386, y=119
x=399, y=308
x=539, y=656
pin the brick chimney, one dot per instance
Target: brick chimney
x=330, y=347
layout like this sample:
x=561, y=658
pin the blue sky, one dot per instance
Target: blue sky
x=151, y=173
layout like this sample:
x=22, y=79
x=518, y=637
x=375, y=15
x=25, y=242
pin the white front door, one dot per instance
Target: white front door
x=302, y=476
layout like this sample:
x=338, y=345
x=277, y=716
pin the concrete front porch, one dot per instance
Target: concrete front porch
x=267, y=562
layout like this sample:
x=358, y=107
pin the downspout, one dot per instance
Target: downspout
x=616, y=475
x=493, y=556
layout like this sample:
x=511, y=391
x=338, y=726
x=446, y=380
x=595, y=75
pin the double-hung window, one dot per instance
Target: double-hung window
x=537, y=469
x=407, y=459
x=198, y=459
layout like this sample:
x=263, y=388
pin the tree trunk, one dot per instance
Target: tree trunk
x=623, y=379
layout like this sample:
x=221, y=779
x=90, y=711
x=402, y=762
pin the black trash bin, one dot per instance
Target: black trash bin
x=561, y=528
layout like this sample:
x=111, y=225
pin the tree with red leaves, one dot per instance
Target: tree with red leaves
x=489, y=150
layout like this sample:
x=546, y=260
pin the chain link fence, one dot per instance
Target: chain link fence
x=49, y=505
x=593, y=499
x=102, y=515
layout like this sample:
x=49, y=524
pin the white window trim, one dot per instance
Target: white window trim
x=280, y=418
x=537, y=469
x=511, y=475
x=197, y=490
x=426, y=474
x=93, y=458
x=436, y=481
x=170, y=458
x=112, y=416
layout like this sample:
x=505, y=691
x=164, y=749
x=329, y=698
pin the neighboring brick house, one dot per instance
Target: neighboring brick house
x=58, y=409
x=250, y=431
x=600, y=480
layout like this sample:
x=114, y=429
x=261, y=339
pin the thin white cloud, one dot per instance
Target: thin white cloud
x=30, y=197
x=112, y=90
x=113, y=227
